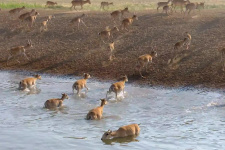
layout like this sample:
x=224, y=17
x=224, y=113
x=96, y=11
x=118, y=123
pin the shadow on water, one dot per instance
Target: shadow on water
x=121, y=140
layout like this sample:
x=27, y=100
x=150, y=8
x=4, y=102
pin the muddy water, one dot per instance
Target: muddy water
x=170, y=119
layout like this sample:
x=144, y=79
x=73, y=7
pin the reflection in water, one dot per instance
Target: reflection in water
x=121, y=140
x=170, y=118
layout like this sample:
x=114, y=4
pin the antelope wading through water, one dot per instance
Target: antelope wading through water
x=55, y=102
x=97, y=112
x=29, y=82
x=80, y=84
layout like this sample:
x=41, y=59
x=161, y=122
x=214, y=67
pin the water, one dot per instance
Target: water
x=170, y=119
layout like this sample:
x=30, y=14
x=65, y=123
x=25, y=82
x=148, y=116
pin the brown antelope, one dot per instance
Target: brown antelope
x=29, y=82
x=27, y=14
x=222, y=54
x=55, y=102
x=103, y=4
x=127, y=22
x=190, y=7
x=180, y=44
x=80, y=84
x=167, y=9
x=117, y=87
x=118, y=14
x=124, y=131
x=179, y=3
x=50, y=3
x=16, y=10
x=79, y=3
x=162, y=4
x=44, y=26
x=19, y=51
x=78, y=20
x=107, y=33
x=96, y=113
x=31, y=19
x=187, y=40
x=111, y=48
x=50, y=17
x=143, y=61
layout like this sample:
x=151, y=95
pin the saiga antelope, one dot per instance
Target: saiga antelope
x=190, y=7
x=97, y=112
x=78, y=20
x=16, y=10
x=111, y=48
x=80, y=84
x=55, y=102
x=107, y=33
x=144, y=60
x=179, y=3
x=50, y=3
x=118, y=14
x=124, y=131
x=31, y=19
x=44, y=25
x=127, y=22
x=79, y=3
x=162, y=4
x=167, y=9
x=27, y=14
x=103, y=4
x=117, y=87
x=29, y=82
x=19, y=51
x=222, y=54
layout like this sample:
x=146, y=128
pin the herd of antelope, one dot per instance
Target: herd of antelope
x=143, y=61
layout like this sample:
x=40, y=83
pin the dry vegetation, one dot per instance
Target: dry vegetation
x=60, y=50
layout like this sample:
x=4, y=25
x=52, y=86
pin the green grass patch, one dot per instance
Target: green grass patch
x=214, y=6
x=16, y=5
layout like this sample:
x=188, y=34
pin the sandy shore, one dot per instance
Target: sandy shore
x=60, y=50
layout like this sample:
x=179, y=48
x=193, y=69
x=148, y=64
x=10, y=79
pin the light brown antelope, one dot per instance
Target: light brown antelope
x=78, y=20
x=187, y=41
x=50, y=3
x=104, y=4
x=127, y=22
x=162, y=4
x=111, y=48
x=27, y=14
x=79, y=3
x=80, y=84
x=44, y=26
x=50, y=17
x=55, y=102
x=124, y=131
x=19, y=51
x=97, y=112
x=117, y=87
x=118, y=14
x=190, y=7
x=167, y=9
x=222, y=60
x=179, y=3
x=16, y=10
x=29, y=82
x=143, y=62
x=107, y=33
x=31, y=19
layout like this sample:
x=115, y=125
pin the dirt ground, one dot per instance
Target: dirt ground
x=60, y=50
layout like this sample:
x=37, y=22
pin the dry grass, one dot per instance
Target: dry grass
x=61, y=51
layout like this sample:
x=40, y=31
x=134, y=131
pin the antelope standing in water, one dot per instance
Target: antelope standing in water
x=128, y=21
x=29, y=82
x=19, y=51
x=80, y=84
x=143, y=61
x=79, y=3
x=55, y=102
x=97, y=112
x=50, y=3
x=78, y=20
x=162, y=4
x=104, y=4
x=117, y=87
x=118, y=14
